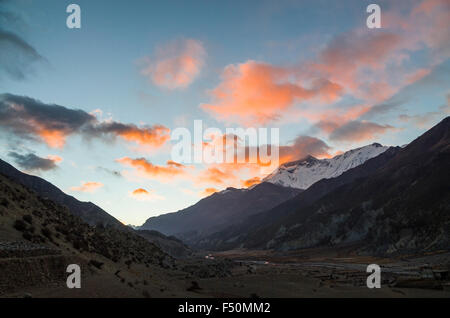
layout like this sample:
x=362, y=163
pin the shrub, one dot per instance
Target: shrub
x=5, y=202
x=62, y=229
x=46, y=232
x=27, y=236
x=20, y=225
x=146, y=294
x=28, y=218
x=95, y=263
x=194, y=286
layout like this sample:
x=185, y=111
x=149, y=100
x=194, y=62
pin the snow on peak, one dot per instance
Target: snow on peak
x=303, y=173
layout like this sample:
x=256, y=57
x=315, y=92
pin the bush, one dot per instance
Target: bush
x=46, y=232
x=28, y=218
x=5, y=202
x=95, y=263
x=37, y=213
x=27, y=236
x=194, y=286
x=20, y=225
x=146, y=294
x=61, y=229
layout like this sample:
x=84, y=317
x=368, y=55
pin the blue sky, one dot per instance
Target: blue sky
x=100, y=67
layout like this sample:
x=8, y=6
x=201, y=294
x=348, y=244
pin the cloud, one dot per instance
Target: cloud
x=154, y=136
x=140, y=191
x=176, y=64
x=33, y=119
x=90, y=186
x=16, y=55
x=146, y=169
x=254, y=93
x=303, y=146
x=360, y=64
x=223, y=175
x=208, y=192
x=32, y=162
x=429, y=119
x=381, y=109
x=251, y=170
x=250, y=182
x=52, y=124
x=417, y=75
x=217, y=175
x=356, y=131
x=352, y=52
x=141, y=194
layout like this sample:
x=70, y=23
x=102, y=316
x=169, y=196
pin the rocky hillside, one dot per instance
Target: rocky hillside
x=87, y=211
x=169, y=244
x=33, y=226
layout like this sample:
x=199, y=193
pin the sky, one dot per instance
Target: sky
x=92, y=109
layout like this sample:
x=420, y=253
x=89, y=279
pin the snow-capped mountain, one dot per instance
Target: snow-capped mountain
x=303, y=173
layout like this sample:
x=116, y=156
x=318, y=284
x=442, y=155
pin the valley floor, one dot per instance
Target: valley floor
x=239, y=273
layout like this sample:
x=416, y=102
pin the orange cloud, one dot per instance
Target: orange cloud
x=351, y=52
x=140, y=191
x=175, y=164
x=141, y=194
x=214, y=175
x=244, y=174
x=53, y=138
x=417, y=75
x=208, y=192
x=87, y=187
x=152, y=136
x=250, y=182
x=55, y=158
x=52, y=124
x=146, y=169
x=224, y=175
x=155, y=136
x=366, y=65
x=254, y=93
x=176, y=64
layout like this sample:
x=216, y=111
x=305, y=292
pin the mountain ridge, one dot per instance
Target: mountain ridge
x=87, y=211
x=232, y=206
x=303, y=173
x=218, y=210
x=222, y=240
x=401, y=206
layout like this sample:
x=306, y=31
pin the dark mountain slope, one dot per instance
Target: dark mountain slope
x=169, y=244
x=26, y=216
x=219, y=210
x=87, y=211
x=403, y=207
x=235, y=236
